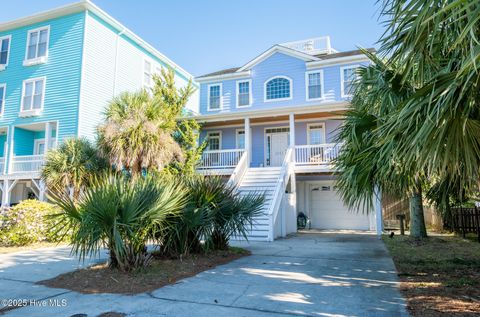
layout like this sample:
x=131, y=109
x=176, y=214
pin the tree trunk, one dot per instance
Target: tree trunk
x=417, y=220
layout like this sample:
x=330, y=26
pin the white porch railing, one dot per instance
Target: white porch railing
x=2, y=165
x=220, y=159
x=239, y=170
x=278, y=195
x=27, y=163
x=318, y=154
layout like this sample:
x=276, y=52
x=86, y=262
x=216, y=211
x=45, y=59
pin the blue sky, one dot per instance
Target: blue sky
x=204, y=36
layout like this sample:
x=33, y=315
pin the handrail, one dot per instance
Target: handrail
x=280, y=188
x=317, y=154
x=220, y=159
x=239, y=170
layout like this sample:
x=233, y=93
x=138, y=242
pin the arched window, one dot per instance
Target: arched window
x=278, y=88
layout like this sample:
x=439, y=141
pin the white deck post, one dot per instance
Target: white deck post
x=10, y=155
x=41, y=191
x=248, y=140
x=378, y=211
x=6, y=193
x=48, y=136
x=292, y=134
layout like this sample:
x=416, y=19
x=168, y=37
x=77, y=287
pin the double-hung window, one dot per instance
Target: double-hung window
x=348, y=78
x=33, y=95
x=215, y=97
x=278, y=88
x=37, y=46
x=243, y=93
x=314, y=81
x=4, y=51
x=147, y=74
x=3, y=91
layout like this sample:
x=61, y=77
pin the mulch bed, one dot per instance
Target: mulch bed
x=161, y=271
x=440, y=276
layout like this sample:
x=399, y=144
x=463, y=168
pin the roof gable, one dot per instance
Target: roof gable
x=277, y=49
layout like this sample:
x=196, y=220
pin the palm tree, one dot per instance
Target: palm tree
x=369, y=158
x=135, y=136
x=138, y=133
x=72, y=166
x=438, y=44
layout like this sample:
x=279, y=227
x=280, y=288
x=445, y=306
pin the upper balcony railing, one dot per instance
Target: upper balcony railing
x=314, y=46
x=317, y=154
x=2, y=165
x=27, y=163
x=220, y=159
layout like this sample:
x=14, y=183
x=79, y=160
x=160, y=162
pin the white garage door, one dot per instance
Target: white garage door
x=327, y=210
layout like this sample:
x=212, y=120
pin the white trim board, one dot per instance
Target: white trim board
x=275, y=49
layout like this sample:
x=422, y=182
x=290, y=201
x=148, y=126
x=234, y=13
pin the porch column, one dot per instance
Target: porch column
x=10, y=154
x=378, y=212
x=292, y=130
x=6, y=193
x=42, y=188
x=48, y=136
x=248, y=141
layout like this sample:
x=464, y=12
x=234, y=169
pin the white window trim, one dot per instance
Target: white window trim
x=342, y=89
x=307, y=82
x=2, y=110
x=33, y=112
x=9, y=37
x=221, y=97
x=219, y=139
x=36, y=145
x=237, y=133
x=37, y=60
x=316, y=124
x=249, y=81
x=144, y=84
x=279, y=99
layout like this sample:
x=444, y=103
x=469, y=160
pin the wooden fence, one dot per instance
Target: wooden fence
x=464, y=220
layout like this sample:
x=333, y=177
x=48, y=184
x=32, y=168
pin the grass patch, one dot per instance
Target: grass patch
x=161, y=271
x=440, y=275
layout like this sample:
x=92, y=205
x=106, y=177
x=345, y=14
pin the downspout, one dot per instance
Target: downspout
x=116, y=59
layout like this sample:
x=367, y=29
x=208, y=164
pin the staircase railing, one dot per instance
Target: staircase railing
x=239, y=170
x=277, y=198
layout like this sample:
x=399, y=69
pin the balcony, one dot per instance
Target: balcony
x=223, y=161
x=318, y=157
x=308, y=159
x=27, y=164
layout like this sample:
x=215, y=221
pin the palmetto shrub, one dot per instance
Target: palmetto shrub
x=214, y=212
x=28, y=222
x=122, y=215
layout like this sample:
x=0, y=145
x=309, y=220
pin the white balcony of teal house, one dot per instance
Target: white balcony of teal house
x=29, y=145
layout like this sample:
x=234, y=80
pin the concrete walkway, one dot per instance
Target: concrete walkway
x=317, y=274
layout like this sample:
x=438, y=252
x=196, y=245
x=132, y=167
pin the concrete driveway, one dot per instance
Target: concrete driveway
x=317, y=274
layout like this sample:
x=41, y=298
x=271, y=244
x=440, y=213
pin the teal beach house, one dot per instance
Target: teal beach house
x=58, y=71
x=271, y=125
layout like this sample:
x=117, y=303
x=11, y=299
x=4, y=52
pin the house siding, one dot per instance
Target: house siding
x=279, y=64
x=62, y=73
x=113, y=64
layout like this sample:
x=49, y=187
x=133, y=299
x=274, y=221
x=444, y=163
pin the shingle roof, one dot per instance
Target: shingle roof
x=321, y=56
x=221, y=72
x=343, y=54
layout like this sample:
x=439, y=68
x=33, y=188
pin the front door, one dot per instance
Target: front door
x=278, y=147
